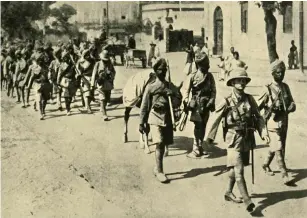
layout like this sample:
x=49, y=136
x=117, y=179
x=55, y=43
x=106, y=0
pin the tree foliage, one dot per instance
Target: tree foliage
x=61, y=24
x=16, y=17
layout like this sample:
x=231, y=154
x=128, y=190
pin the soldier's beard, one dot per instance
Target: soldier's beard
x=278, y=77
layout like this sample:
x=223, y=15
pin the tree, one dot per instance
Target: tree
x=16, y=17
x=62, y=16
x=269, y=8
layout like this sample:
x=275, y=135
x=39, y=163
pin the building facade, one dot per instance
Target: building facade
x=92, y=16
x=175, y=14
x=242, y=25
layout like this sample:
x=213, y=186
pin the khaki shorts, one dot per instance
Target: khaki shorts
x=161, y=134
x=105, y=95
x=277, y=140
x=236, y=158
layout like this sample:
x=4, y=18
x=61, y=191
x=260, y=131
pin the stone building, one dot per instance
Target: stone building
x=175, y=14
x=242, y=25
x=93, y=15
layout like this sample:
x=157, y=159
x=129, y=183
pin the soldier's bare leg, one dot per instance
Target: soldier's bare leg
x=239, y=175
x=229, y=196
x=18, y=91
x=126, y=119
x=22, y=90
x=199, y=134
x=59, y=97
x=103, y=109
x=159, y=173
x=68, y=101
x=282, y=166
x=267, y=162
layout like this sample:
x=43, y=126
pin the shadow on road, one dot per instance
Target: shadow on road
x=121, y=116
x=182, y=143
x=274, y=198
x=197, y=171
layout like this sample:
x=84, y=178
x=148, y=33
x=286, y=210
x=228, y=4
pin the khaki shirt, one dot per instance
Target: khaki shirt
x=101, y=67
x=245, y=108
x=154, y=95
x=284, y=99
x=193, y=80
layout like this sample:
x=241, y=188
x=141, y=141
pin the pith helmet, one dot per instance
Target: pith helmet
x=238, y=73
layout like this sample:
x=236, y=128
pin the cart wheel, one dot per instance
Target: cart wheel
x=144, y=63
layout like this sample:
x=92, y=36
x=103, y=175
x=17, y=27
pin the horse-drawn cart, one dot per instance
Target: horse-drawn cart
x=133, y=54
x=116, y=50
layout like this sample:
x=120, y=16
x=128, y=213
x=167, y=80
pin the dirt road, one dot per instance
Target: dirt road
x=77, y=166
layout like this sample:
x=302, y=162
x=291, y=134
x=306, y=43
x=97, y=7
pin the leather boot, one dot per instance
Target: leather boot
x=246, y=199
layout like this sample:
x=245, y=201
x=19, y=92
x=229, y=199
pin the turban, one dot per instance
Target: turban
x=202, y=59
x=277, y=66
x=160, y=63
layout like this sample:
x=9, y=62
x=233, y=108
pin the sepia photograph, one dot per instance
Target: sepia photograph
x=151, y=109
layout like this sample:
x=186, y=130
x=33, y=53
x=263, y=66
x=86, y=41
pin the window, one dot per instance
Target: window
x=104, y=12
x=287, y=18
x=244, y=16
x=123, y=17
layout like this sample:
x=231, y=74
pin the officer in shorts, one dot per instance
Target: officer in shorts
x=240, y=117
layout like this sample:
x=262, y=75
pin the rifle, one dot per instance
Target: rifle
x=268, y=113
x=170, y=100
x=86, y=82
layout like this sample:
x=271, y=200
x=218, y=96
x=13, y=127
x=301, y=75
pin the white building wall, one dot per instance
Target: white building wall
x=253, y=43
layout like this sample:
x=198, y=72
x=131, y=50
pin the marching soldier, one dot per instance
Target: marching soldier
x=67, y=79
x=53, y=75
x=203, y=93
x=8, y=71
x=20, y=74
x=86, y=65
x=240, y=117
x=277, y=102
x=3, y=79
x=155, y=110
x=42, y=87
x=103, y=75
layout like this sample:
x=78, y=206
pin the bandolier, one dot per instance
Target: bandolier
x=277, y=102
x=202, y=87
x=240, y=117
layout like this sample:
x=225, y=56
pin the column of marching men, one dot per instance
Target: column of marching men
x=58, y=73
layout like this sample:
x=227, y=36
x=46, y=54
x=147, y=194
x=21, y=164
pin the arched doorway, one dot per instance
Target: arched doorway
x=218, y=31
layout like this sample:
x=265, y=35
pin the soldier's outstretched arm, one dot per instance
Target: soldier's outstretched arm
x=218, y=115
